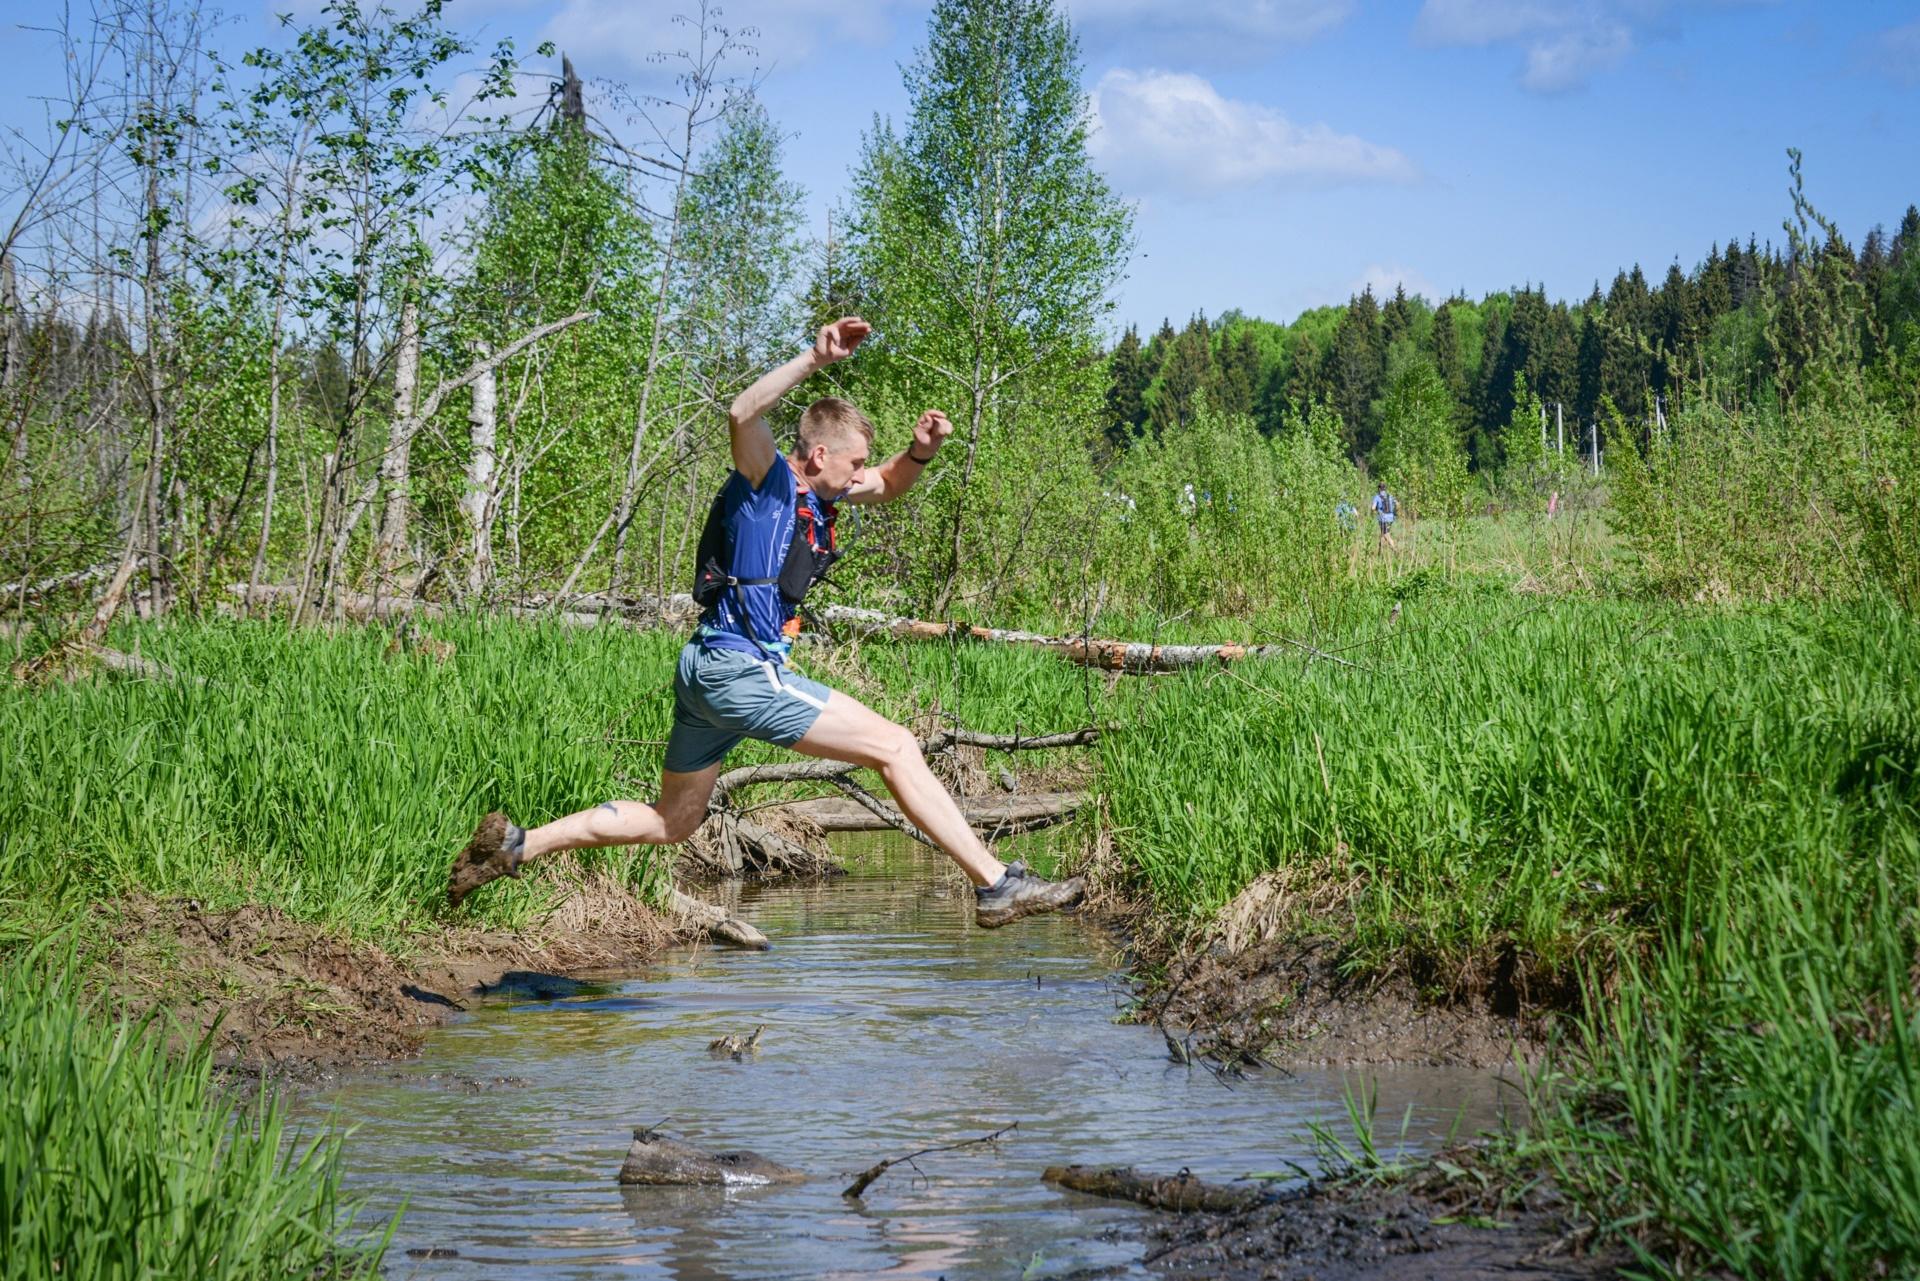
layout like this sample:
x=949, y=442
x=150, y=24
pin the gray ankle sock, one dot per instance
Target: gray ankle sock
x=514, y=843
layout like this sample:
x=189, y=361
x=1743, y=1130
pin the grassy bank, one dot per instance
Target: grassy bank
x=317, y=773
x=119, y=1158
x=1710, y=819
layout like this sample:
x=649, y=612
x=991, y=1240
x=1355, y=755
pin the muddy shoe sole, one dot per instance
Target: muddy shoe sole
x=1054, y=897
x=485, y=859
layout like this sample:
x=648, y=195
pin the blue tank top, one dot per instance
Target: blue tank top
x=760, y=525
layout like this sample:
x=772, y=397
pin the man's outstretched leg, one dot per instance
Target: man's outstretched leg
x=499, y=848
x=847, y=730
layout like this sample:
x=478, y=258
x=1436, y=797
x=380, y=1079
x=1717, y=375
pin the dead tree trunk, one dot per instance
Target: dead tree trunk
x=350, y=519
x=1182, y=1193
x=479, y=503
x=391, y=547
x=156, y=389
x=13, y=351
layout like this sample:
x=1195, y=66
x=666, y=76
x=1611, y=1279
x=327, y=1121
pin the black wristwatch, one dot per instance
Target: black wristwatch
x=922, y=461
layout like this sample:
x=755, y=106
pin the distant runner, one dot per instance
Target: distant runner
x=1384, y=510
x=770, y=537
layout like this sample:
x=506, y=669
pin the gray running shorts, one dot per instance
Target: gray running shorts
x=721, y=696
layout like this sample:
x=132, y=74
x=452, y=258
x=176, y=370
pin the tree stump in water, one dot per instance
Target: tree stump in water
x=656, y=1160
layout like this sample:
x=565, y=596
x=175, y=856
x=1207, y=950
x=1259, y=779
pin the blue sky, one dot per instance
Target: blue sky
x=1283, y=152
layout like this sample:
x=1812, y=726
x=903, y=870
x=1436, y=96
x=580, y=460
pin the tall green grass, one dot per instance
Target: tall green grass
x=120, y=1160
x=312, y=771
x=1747, y=1103
x=1551, y=776
x=1712, y=820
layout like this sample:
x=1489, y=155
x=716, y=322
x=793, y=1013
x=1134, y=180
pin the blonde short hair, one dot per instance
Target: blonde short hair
x=829, y=419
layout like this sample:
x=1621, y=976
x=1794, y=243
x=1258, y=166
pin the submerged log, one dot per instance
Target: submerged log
x=656, y=1160
x=839, y=814
x=718, y=923
x=1182, y=1193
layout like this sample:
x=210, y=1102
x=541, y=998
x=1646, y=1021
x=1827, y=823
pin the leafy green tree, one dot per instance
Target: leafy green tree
x=1419, y=452
x=992, y=243
x=1355, y=368
x=743, y=252
x=1187, y=378
x=557, y=234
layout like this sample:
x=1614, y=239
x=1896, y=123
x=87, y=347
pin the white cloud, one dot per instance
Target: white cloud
x=1567, y=43
x=1229, y=28
x=1482, y=22
x=633, y=36
x=1569, y=60
x=1173, y=131
x=1896, y=53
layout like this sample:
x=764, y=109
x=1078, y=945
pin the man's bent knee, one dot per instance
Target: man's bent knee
x=679, y=824
x=896, y=744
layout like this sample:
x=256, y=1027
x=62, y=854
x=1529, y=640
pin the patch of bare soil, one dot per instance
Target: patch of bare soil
x=287, y=996
x=1266, y=983
x=1285, y=1001
x=1432, y=1226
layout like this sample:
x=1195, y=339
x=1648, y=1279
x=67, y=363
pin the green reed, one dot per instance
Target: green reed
x=315, y=772
x=119, y=1159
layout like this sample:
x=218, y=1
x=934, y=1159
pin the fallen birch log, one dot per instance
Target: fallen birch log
x=716, y=921
x=1113, y=655
x=1182, y=1193
x=819, y=771
x=838, y=814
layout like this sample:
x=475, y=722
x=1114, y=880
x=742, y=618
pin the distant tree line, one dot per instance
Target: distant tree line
x=1734, y=327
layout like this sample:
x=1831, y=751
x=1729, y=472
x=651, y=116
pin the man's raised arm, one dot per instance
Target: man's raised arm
x=889, y=480
x=752, y=440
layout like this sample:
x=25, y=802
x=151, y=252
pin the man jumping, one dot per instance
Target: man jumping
x=773, y=529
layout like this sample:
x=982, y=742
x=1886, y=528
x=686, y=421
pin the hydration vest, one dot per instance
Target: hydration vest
x=804, y=565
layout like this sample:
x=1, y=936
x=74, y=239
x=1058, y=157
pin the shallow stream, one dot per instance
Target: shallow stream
x=892, y=1024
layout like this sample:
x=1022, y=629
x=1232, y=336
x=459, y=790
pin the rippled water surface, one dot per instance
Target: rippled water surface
x=892, y=1024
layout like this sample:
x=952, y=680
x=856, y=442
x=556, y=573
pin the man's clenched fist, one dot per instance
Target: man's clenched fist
x=930, y=433
x=837, y=341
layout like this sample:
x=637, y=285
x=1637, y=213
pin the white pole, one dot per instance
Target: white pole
x=1596, y=448
x=1543, y=428
x=1560, y=426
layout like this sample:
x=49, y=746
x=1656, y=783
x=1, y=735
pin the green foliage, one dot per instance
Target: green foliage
x=121, y=1160
x=1810, y=500
x=989, y=243
x=1211, y=516
x=558, y=234
x=316, y=773
x=1419, y=453
x=742, y=252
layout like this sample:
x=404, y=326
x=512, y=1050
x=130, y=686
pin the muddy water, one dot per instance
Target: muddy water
x=892, y=1024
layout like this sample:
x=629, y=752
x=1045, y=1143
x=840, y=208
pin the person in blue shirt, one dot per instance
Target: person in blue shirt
x=776, y=515
x=1384, y=511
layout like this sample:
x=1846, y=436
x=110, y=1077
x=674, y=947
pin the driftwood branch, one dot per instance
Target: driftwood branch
x=716, y=921
x=1181, y=1193
x=881, y=810
x=872, y=1172
x=1014, y=812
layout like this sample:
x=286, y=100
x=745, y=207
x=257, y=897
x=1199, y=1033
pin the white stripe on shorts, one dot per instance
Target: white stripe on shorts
x=779, y=684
